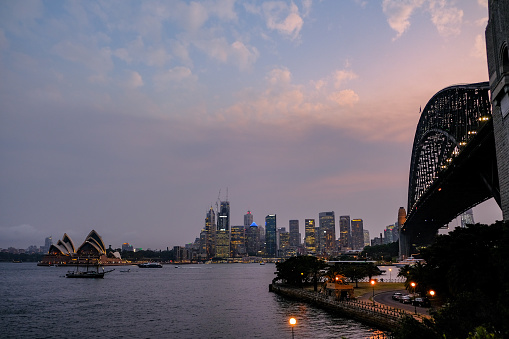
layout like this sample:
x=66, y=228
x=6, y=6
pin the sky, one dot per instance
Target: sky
x=133, y=117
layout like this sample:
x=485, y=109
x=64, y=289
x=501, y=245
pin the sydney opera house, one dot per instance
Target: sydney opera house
x=65, y=253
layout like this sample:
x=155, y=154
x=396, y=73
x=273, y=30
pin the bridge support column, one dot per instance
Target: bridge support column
x=404, y=245
x=497, y=40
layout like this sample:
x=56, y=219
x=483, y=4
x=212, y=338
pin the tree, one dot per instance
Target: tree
x=300, y=270
x=357, y=271
x=468, y=269
x=381, y=252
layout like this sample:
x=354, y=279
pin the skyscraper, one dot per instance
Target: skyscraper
x=238, y=242
x=248, y=219
x=210, y=233
x=366, y=238
x=309, y=239
x=270, y=236
x=223, y=216
x=467, y=218
x=357, y=234
x=222, y=244
x=223, y=230
x=253, y=240
x=327, y=222
x=294, y=233
x=284, y=244
x=344, y=232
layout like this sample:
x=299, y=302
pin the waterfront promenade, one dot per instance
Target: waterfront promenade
x=361, y=309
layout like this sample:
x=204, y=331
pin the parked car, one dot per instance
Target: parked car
x=396, y=296
x=422, y=302
x=405, y=299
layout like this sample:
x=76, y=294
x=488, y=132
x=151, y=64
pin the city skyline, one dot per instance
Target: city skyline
x=130, y=118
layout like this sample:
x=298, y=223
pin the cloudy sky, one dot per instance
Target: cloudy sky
x=132, y=117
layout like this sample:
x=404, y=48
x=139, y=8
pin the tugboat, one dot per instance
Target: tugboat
x=150, y=265
x=89, y=273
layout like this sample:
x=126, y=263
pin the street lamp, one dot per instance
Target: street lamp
x=390, y=274
x=415, y=305
x=373, y=284
x=432, y=294
x=293, y=322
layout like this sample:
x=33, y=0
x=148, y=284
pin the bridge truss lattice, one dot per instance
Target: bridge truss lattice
x=450, y=119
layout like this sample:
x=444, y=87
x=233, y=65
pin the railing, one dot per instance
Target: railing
x=374, y=313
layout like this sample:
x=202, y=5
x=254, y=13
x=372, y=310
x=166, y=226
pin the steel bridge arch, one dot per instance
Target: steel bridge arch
x=450, y=119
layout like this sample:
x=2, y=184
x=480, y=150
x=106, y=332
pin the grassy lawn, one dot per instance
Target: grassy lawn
x=365, y=287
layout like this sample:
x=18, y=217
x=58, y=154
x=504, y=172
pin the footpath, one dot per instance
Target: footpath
x=380, y=316
x=362, y=308
x=380, y=299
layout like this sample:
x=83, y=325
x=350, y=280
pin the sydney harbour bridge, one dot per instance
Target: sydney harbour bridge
x=460, y=154
x=453, y=165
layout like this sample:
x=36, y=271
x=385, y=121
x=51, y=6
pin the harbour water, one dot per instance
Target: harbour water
x=191, y=301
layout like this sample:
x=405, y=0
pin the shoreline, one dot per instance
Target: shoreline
x=380, y=316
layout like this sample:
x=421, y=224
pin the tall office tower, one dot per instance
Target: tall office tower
x=309, y=239
x=127, y=247
x=270, y=236
x=402, y=241
x=210, y=230
x=261, y=232
x=294, y=233
x=327, y=222
x=366, y=238
x=223, y=230
x=238, y=242
x=344, y=232
x=284, y=244
x=278, y=232
x=202, y=251
x=253, y=240
x=357, y=234
x=390, y=234
x=222, y=244
x=223, y=217
x=47, y=244
x=317, y=239
x=248, y=219
x=497, y=50
x=467, y=218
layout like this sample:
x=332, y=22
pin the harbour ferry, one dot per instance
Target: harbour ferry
x=150, y=265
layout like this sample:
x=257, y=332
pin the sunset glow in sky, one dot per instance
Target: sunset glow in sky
x=128, y=117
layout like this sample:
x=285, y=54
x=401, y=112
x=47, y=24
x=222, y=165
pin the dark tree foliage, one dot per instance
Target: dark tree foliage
x=298, y=271
x=24, y=257
x=468, y=268
x=381, y=252
x=355, y=272
x=414, y=329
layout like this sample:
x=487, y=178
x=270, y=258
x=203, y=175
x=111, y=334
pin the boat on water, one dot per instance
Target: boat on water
x=408, y=261
x=150, y=265
x=91, y=271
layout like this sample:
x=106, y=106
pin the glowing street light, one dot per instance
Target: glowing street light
x=293, y=322
x=373, y=284
x=413, y=286
x=390, y=274
x=432, y=294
